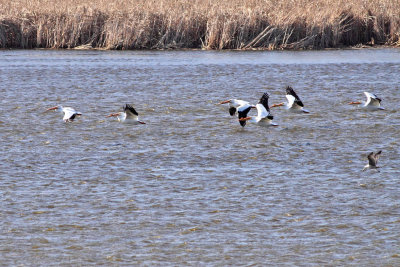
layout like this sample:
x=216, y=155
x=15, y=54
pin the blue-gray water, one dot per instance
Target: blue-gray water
x=192, y=187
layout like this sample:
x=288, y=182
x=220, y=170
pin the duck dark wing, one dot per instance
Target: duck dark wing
x=130, y=111
x=243, y=114
x=297, y=101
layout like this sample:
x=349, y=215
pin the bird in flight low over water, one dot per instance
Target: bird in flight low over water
x=294, y=103
x=129, y=115
x=373, y=102
x=241, y=107
x=235, y=104
x=264, y=117
x=373, y=160
x=69, y=113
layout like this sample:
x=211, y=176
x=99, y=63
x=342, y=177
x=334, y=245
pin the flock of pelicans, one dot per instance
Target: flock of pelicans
x=242, y=108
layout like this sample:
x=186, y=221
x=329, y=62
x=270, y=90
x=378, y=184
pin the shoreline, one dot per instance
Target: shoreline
x=361, y=47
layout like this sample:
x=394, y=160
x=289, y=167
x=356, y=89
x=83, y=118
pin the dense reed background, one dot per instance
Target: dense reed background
x=207, y=24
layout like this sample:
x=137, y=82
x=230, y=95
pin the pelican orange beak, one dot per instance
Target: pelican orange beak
x=112, y=115
x=277, y=105
x=245, y=119
x=142, y=122
x=355, y=103
x=224, y=102
x=52, y=108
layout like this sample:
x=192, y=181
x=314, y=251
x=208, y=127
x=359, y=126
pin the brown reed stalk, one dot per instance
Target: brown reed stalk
x=205, y=24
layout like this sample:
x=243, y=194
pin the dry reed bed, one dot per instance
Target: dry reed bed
x=219, y=24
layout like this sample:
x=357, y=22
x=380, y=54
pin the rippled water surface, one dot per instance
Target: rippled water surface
x=192, y=187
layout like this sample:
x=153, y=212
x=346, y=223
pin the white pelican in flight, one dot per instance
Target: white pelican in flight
x=264, y=117
x=234, y=105
x=294, y=103
x=69, y=113
x=373, y=102
x=128, y=116
x=373, y=160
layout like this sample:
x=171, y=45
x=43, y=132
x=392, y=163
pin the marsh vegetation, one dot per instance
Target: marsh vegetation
x=205, y=24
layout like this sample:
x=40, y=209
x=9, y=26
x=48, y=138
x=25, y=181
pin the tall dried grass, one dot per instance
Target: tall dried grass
x=207, y=24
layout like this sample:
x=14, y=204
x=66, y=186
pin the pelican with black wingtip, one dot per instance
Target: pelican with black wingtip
x=264, y=116
x=373, y=102
x=129, y=115
x=294, y=103
x=235, y=104
x=69, y=113
x=373, y=160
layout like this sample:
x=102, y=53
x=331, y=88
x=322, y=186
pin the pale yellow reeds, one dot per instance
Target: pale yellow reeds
x=206, y=24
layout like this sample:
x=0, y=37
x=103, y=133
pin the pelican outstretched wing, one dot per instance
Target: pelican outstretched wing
x=373, y=158
x=263, y=108
x=130, y=112
x=292, y=97
x=69, y=113
x=242, y=113
x=372, y=99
